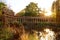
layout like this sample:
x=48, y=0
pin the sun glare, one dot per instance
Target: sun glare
x=48, y=14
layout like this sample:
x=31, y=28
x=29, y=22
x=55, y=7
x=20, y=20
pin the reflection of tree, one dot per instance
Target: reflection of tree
x=58, y=37
x=32, y=37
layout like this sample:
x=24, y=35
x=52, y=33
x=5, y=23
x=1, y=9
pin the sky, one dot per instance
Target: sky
x=18, y=5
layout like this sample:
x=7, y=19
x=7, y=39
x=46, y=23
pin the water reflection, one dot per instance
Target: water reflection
x=47, y=35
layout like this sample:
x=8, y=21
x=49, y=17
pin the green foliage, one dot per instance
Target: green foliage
x=32, y=37
x=44, y=24
x=0, y=12
x=21, y=13
x=1, y=23
x=31, y=9
x=16, y=23
x=6, y=33
x=2, y=4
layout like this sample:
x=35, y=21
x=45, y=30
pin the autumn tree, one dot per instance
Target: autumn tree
x=31, y=9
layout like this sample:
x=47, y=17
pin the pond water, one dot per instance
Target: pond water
x=46, y=34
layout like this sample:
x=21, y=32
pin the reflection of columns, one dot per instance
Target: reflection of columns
x=38, y=36
x=38, y=33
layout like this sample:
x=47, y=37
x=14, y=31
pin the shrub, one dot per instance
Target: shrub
x=6, y=34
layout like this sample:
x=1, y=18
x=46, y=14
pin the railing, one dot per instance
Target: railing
x=35, y=19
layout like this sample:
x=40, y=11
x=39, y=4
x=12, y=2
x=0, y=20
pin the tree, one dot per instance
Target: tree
x=31, y=9
x=1, y=6
x=21, y=13
x=53, y=9
x=6, y=33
